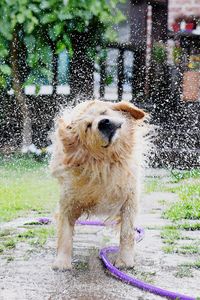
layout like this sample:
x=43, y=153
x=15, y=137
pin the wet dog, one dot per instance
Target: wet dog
x=97, y=157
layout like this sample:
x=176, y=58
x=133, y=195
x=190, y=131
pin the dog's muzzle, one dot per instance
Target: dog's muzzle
x=108, y=128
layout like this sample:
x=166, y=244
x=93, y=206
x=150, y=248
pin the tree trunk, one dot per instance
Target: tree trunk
x=81, y=69
x=18, y=89
x=138, y=37
x=54, y=66
x=55, y=73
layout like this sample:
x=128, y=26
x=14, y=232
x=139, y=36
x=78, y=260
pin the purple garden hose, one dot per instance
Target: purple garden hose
x=123, y=276
x=136, y=282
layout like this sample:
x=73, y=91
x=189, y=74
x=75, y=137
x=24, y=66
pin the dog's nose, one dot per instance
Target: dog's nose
x=103, y=124
x=108, y=128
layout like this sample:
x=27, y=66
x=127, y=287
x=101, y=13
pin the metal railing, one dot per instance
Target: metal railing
x=121, y=48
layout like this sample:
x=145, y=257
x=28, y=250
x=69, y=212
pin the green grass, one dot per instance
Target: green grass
x=147, y=276
x=21, y=162
x=5, y=232
x=177, y=176
x=184, y=226
x=188, y=206
x=25, y=186
x=10, y=243
x=183, y=249
x=10, y=258
x=186, y=269
x=170, y=236
x=153, y=185
x=82, y=266
x=188, y=249
x=36, y=237
x=195, y=265
x=183, y=271
x=190, y=226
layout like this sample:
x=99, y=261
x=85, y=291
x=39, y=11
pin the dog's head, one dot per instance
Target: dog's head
x=98, y=130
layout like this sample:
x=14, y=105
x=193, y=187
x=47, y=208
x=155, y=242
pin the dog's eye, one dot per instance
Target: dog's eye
x=103, y=112
x=69, y=127
x=89, y=125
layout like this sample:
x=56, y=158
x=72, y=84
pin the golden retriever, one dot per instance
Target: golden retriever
x=97, y=155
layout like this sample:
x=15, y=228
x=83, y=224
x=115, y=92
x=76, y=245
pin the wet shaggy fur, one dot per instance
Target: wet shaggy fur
x=97, y=174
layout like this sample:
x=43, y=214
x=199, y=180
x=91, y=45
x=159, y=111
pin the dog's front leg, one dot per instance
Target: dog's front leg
x=127, y=234
x=64, y=243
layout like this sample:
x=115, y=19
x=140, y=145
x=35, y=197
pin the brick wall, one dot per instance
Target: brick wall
x=183, y=7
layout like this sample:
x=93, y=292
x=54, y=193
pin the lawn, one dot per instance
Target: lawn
x=186, y=184
x=188, y=190
x=188, y=206
x=26, y=186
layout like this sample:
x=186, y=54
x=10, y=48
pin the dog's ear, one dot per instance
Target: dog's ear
x=60, y=123
x=75, y=154
x=66, y=136
x=66, y=133
x=127, y=107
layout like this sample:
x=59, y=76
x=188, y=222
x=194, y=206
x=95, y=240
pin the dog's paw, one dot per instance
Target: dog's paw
x=124, y=263
x=61, y=265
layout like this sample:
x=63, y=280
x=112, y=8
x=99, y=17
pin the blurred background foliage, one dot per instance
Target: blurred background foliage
x=43, y=29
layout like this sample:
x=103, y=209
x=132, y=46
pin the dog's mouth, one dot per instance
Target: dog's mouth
x=109, y=139
x=108, y=130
